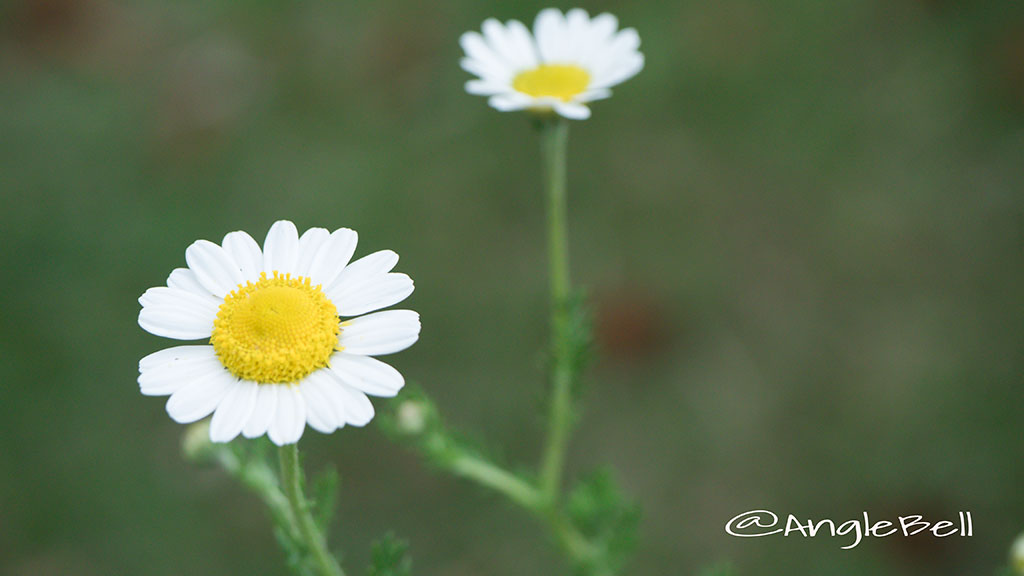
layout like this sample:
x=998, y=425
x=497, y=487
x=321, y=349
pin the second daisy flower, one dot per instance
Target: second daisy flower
x=568, y=61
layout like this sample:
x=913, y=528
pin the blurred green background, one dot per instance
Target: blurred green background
x=801, y=227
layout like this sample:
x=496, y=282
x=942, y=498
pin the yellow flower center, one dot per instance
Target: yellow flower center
x=277, y=330
x=562, y=81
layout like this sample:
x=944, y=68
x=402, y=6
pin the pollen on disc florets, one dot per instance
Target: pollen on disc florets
x=276, y=330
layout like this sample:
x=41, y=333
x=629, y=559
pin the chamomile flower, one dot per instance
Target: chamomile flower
x=280, y=355
x=568, y=61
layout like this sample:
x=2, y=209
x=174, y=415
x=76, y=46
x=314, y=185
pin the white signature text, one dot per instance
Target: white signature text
x=757, y=523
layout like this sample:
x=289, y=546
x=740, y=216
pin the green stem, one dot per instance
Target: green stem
x=542, y=499
x=554, y=143
x=492, y=476
x=255, y=475
x=554, y=146
x=292, y=481
x=576, y=546
x=583, y=552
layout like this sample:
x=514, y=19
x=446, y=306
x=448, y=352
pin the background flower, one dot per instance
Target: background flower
x=569, y=60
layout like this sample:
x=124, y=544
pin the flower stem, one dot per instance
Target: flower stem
x=257, y=476
x=581, y=550
x=554, y=143
x=498, y=479
x=292, y=480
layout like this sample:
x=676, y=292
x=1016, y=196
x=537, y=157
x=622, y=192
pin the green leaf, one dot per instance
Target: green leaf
x=325, y=498
x=605, y=516
x=572, y=341
x=389, y=557
x=294, y=552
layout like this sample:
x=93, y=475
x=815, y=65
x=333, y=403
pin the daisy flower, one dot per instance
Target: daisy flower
x=279, y=354
x=569, y=60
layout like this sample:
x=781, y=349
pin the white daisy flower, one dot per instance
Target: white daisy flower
x=568, y=61
x=279, y=354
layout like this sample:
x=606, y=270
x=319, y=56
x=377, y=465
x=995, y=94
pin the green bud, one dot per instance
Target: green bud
x=196, y=444
x=1017, y=555
x=412, y=417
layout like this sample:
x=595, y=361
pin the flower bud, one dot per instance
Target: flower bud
x=195, y=443
x=1017, y=556
x=412, y=417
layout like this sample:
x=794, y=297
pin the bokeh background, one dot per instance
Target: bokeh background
x=800, y=227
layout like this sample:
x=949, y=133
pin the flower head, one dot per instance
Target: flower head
x=279, y=354
x=569, y=60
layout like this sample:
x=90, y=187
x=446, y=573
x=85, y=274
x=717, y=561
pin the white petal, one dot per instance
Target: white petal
x=214, y=267
x=508, y=45
x=320, y=413
x=333, y=255
x=373, y=293
x=609, y=59
x=511, y=101
x=185, y=279
x=372, y=264
x=485, y=88
x=167, y=356
x=522, y=42
x=627, y=40
x=367, y=374
x=188, y=302
x=358, y=408
x=494, y=36
x=309, y=243
x=477, y=49
x=346, y=401
x=174, y=313
x=593, y=94
x=602, y=28
x=549, y=31
x=263, y=412
x=233, y=411
x=498, y=76
x=577, y=30
x=572, y=110
x=167, y=371
x=281, y=248
x=364, y=285
x=628, y=67
x=169, y=323
x=290, y=419
x=200, y=397
x=246, y=252
x=380, y=333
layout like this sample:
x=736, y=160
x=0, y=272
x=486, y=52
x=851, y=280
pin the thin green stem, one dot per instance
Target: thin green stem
x=492, y=476
x=496, y=478
x=576, y=546
x=554, y=144
x=574, y=543
x=255, y=475
x=292, y=481
x=543, y=499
